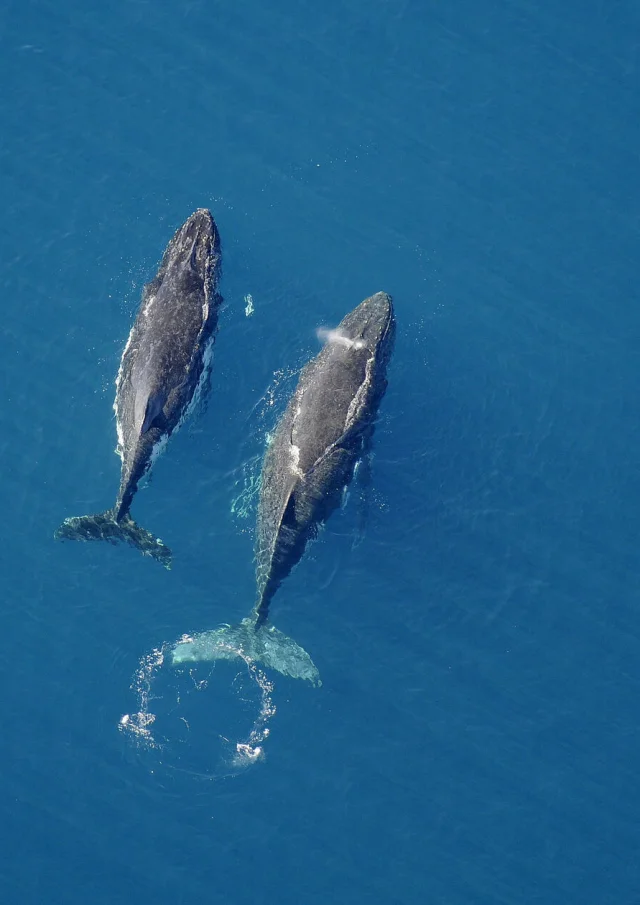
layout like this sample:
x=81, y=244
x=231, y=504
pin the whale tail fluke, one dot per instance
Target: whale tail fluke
x=263, y=644
x=105, y=527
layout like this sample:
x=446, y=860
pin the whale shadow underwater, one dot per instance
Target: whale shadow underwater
x=326, y=429
x=163, y=372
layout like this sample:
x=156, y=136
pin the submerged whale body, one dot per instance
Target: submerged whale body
x=162, y=372
x=327, y=427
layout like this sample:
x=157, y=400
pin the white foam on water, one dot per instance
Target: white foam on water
x=171, y=691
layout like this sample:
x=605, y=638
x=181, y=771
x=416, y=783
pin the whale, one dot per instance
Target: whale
x=163, y=373
x=326, y=429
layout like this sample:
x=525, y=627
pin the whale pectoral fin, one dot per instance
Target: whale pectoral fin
x=286, y=511
x=333, y=471
x=362, y=478
x=289, y=513
x=292, y=515
x=323, y=486
x=154, y=410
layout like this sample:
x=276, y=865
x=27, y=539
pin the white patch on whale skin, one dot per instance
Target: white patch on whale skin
x=334, y=336
x=294, y=465
x=146, y=308
x=120, y=447
x=357, y=401
x=119, y=433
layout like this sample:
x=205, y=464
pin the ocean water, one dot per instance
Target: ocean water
x=476, y=737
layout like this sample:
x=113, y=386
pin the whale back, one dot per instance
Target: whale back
x=326, y=427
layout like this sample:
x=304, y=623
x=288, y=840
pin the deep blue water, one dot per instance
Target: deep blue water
x=476, y=736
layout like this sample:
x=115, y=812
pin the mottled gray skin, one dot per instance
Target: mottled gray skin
x=163, y=361
x=325, y=429
x=161, y=369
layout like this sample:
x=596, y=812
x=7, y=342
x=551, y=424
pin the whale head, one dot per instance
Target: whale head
x=371, y=325
x=192, y=254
